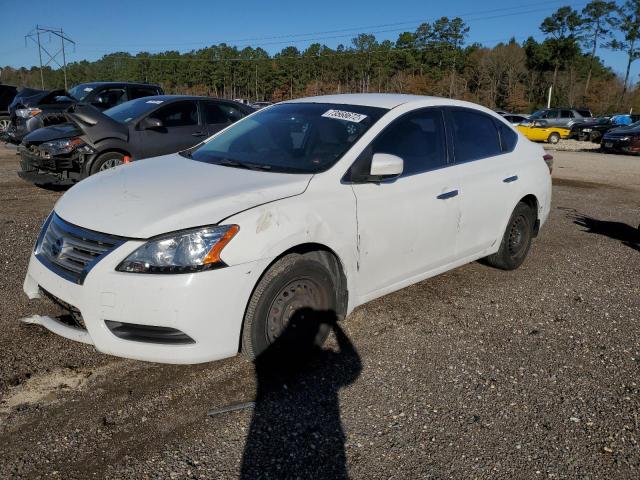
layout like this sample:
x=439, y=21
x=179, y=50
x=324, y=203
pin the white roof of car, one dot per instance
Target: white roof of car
x=383, y=100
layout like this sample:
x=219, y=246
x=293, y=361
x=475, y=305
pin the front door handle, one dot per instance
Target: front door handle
x=451, y=194
x=510, y=179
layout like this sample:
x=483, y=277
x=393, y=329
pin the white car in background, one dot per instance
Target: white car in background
x=317, y=204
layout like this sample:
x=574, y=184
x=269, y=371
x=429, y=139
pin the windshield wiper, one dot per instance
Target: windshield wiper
x=249, y=166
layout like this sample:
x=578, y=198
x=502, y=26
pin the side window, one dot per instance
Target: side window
x=418, y=138
x=139, y=92
x=110, y=97
x=474, y=135
x=216, y=113
x=508, y=138
x=566, y=114
x=179, y=114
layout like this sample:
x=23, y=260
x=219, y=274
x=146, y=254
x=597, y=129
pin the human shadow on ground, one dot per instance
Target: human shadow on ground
x=628, y=235
x=296, y=431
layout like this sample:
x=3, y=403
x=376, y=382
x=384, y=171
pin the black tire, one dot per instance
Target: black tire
x=553, y=138
x=595, y=137
x=516, y=240
x=295, y=283
x=106, y=161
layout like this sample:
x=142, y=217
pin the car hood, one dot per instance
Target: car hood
x=623, y=130
x=159, y=195
x=55, y=132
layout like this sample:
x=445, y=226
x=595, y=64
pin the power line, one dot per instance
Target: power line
x=34, y=36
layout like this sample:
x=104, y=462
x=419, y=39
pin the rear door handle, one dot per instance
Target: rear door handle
x=451, y=194
x=510, y=179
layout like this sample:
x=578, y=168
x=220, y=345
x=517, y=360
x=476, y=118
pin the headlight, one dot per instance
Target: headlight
x=181, y=252
x=27, y=112
x=65, y=145
x=624, y=139
x=586, y=129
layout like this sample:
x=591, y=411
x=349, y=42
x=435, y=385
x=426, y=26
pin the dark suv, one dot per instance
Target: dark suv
x=34, y=109
x=563, y=117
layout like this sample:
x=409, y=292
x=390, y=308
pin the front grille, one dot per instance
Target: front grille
x=72, y=251
x=71, y=315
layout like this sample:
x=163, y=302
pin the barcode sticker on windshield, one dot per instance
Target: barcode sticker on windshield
x=343, y=115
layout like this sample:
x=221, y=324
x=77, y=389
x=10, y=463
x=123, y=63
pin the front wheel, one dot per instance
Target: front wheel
x=106, y=161
x=293, y=305
x=554, y=138
x=516, y=240
x=4, y=124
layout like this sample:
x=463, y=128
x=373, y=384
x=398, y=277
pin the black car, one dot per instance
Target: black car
x=7, y=94
x=622, y=139
x=142, y=128
x=595, y=131
x=33, y=109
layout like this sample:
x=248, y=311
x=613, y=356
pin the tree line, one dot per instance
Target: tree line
x=435, y=59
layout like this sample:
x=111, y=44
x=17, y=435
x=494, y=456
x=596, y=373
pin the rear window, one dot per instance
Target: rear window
x=140, y=92
x=475, y=135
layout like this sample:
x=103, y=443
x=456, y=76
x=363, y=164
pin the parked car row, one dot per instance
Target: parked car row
x=93, y=141
x=63, y=136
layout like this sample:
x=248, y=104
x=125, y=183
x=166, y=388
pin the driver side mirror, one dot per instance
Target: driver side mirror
x=385, y=166
x=151, y=123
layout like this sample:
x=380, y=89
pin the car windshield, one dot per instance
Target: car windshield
x=129, y=111
x=290, y=137
x=80, y=92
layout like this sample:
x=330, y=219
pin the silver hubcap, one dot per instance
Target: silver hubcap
x=112, y=162
x=4, y=124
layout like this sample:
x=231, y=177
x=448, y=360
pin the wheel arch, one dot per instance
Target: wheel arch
x=115, y=149
x=326, y=256
x=532, y=201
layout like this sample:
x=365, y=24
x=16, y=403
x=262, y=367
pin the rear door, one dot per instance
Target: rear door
x=487, y=171
x=407, y=226
x=181, y=129
x=218, y=115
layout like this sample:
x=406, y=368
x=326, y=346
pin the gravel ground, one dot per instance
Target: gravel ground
x=573, y=146
x=476, y=373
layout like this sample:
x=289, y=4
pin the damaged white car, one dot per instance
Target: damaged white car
x=320, y=203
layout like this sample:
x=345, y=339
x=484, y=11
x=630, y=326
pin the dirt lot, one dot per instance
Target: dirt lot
x=477, y=373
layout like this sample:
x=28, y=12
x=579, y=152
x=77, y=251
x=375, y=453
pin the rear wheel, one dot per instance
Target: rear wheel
x=553, y=138
x=294, y=303
x=595, y=137
x=106, y=161
x=516, y=240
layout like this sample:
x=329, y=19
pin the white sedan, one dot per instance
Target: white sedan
x=313, y=205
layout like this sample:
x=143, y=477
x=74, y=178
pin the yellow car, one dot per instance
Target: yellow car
x=540, y=131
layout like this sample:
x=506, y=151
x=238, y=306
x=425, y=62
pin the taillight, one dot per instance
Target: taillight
x=127, y=159
x=548, y=159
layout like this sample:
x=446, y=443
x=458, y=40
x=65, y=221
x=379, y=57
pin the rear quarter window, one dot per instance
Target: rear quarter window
x=475, y=135
x=508, y=138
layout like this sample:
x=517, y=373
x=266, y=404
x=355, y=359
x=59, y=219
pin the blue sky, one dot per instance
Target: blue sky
x=144, y=25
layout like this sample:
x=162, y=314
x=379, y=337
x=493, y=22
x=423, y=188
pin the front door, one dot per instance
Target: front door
x=407, y=226
x=180, y=129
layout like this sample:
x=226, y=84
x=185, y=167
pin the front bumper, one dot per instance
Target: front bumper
x=36, y=168
x=207, y=306
x=614, y=144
